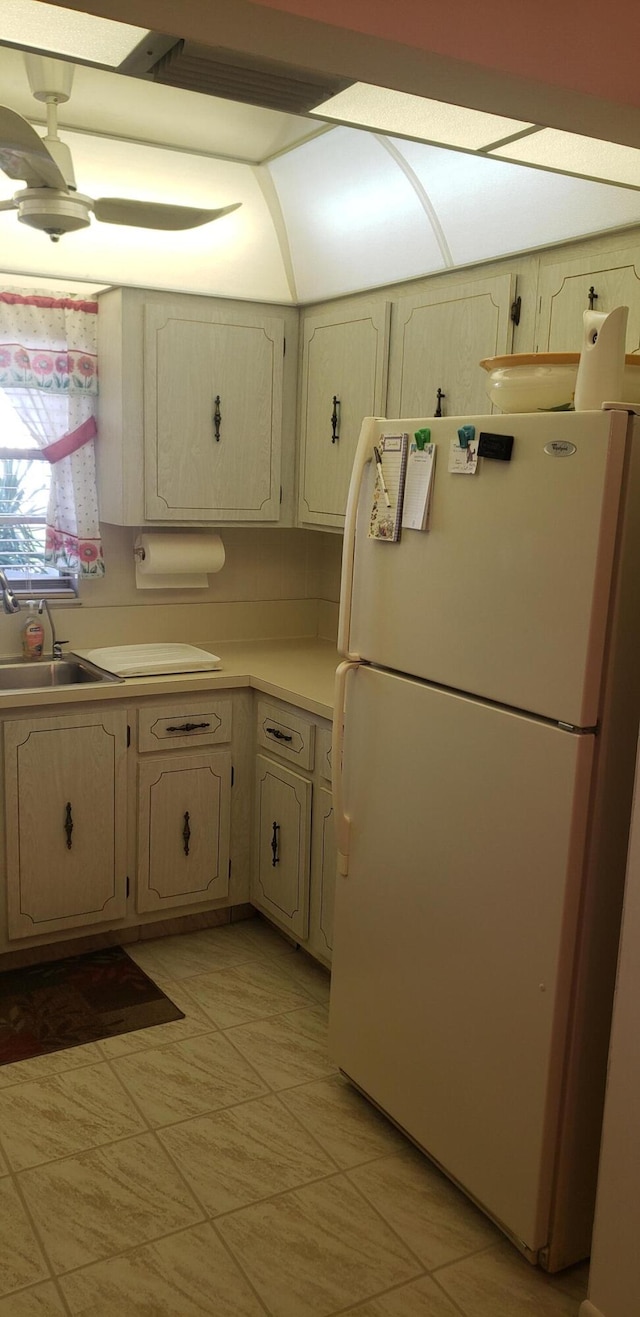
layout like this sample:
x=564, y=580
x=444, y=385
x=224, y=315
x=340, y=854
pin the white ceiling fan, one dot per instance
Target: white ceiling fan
x=50, y=200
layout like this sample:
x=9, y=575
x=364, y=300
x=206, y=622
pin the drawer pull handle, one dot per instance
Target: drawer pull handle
x=189, y=727
x=274, y=844
x=68, y=824
x=280, y=736
x=186, y=833
x=217, y=418
x=335, y=419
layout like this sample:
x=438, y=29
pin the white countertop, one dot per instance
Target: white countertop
x=300, y=671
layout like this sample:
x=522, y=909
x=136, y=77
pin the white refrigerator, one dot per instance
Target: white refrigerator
x=485, y=729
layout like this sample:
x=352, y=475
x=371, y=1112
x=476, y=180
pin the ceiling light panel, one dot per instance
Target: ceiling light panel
x=569, y=153
x=66, y=32
x=353, y=218
x=400, y=113
x=512, y=208
x=236, y=256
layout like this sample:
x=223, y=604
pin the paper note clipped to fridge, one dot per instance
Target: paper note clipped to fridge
x=463, y=453
x=390, y=462
x=418, y=486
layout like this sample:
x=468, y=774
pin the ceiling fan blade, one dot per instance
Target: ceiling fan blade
x=24, y=155
x=8, y=205
x=152, y=215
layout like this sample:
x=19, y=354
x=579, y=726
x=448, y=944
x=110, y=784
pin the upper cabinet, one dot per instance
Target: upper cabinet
x=212, y=414
x=344, y=378
x=438, y=339
x=196, y=410
x=568, y=288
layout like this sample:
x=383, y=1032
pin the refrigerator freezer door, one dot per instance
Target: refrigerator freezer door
x=454, y=931
x=506, y=595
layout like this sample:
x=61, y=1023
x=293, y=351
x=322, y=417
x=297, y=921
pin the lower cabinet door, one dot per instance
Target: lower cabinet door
x=323, y=875
x=281, y=870
x=184, y=809
x=65, y=812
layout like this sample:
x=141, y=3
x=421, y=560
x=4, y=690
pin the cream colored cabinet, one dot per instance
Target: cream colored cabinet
x=65, y=812
x=196, y=410
x=184, y=813
x=281, y=861
x=437, y=340
x=213, y=414
x=294, y=863
x=192, y=807
x=344, y=378
x=568, y=288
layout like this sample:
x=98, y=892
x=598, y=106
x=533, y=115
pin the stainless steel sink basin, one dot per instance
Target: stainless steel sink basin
x=64, y=672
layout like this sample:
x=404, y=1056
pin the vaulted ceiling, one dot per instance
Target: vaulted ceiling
x=326, y=209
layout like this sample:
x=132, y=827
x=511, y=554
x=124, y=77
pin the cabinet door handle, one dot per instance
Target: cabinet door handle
x=189, y=727
x=217, y=418
x=68, y=824
x=186, y=833
x=335, y=419
x=280, y=736
x=439, y=396
x=274, y=844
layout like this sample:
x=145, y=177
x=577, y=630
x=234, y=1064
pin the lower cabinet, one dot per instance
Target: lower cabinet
x=294, y=863
x=65, y=799
x=120, y=814
x=184, y=814
x=282, y=830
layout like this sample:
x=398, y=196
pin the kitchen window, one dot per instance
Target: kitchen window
x=25, y=482
x=49, y=529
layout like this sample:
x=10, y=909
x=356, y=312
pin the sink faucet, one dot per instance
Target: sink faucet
x=9, y=601
x=56, y=645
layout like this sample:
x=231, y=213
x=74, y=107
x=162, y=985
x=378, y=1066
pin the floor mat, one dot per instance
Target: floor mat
x=64, y=1003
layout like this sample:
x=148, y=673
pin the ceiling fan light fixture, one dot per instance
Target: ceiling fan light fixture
x=53, y=211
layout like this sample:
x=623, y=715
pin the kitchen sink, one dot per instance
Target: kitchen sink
x=63, y=672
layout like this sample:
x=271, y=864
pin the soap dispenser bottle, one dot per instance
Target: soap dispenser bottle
x=32, y=634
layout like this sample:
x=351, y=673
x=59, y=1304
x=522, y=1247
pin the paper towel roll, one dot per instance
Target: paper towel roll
x=601, y=365
x=166, y=560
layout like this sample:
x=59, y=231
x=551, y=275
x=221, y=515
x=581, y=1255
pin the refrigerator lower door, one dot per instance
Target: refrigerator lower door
x=455, y=931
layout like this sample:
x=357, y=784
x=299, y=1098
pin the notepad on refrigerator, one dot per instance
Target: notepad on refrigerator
x=385, y=520
x=418, y=485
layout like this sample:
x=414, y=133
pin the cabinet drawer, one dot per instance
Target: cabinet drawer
x=286, y=734
x=184, y=724
x=323, y=747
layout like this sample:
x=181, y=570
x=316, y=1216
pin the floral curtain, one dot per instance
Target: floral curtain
x=49, y=372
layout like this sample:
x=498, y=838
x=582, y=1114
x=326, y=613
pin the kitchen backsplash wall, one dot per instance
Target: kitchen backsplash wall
x=275, y=583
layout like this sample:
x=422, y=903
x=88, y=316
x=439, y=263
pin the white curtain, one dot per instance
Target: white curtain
x=49, y=371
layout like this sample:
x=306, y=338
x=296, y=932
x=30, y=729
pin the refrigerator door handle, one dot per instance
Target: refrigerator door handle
x=337, y=738
x=369, y=435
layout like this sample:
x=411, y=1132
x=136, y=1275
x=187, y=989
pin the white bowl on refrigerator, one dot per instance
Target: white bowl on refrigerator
x=546, y=381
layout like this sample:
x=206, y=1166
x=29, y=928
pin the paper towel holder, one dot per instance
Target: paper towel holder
x=189, y=575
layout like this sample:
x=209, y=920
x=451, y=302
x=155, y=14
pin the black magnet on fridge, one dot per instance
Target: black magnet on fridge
x=497, y=446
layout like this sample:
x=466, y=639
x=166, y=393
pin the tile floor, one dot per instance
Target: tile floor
x=219, y=1165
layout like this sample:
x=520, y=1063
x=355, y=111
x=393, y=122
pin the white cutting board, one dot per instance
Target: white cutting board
x=148, y=660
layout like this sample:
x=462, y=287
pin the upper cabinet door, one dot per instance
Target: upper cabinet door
x=212, y=415
x=569, y=288
x=344, y=378
x=437, y=341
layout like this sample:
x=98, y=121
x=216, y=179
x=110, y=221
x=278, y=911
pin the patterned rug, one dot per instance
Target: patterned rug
x=65, y=1003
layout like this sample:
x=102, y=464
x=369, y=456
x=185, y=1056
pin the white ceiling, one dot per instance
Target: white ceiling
x=325, y=210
